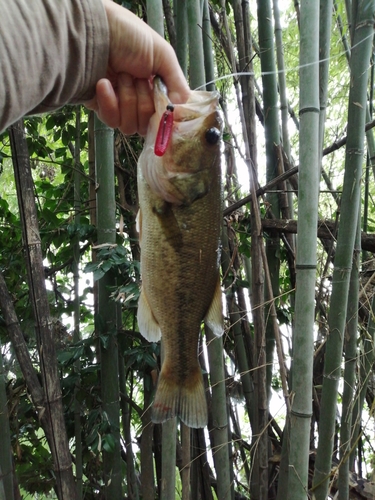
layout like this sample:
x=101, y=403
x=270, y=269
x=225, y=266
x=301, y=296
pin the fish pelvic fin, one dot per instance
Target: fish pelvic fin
x=186, y=401
x=148, y=326
x=214, y=316
x=138, y=224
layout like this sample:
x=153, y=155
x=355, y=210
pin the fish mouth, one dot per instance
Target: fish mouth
x=200, y=103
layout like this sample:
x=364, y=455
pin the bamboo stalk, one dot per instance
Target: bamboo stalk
x=106, y=326
x=185, y=433
x=168, y=464
x=283, y=97
x=218, y=413
x=359, y=61
x=182, y=30
x=155, y=15
x=147, y=463
x=131, y=481
x=325, y=21
x=303, y=333
x=194, y=17
x=207, y=47
x=259, y=467
x=272, y=138
x=58, y=439
x=76, y=307
x=350, y=348
x=6, y=462
x=219, y=425
x=366, y=362
x=23, y=356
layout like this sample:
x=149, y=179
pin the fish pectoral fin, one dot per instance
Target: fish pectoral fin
x=147, y=323
x=138, y=224
x=170, y=228
x=186, y=400
x=214, y=316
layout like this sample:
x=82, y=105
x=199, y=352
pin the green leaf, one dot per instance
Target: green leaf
x=109, y=443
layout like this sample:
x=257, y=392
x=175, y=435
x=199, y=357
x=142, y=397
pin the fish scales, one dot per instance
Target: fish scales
x=180, y=197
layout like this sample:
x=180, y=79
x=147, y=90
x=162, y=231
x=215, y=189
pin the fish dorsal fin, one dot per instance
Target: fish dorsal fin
x=147, y=323
x=214, y=316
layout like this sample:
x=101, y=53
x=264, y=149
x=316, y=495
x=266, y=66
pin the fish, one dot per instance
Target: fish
x=179, y=224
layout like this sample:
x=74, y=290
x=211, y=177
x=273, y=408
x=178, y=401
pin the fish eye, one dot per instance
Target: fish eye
x=213, y=135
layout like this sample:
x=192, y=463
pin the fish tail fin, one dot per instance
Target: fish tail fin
x=186, y=401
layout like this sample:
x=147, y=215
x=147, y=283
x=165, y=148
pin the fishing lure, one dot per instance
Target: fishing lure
x=164, y=131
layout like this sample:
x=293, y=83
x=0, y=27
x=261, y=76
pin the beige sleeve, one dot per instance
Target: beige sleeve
x=52, y=52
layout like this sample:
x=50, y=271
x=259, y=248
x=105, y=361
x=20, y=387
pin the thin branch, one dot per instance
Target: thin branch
x=260, y=191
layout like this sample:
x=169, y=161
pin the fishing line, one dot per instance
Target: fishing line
x=285, y=70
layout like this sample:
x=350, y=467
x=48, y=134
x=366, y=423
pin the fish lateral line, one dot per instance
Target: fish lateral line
x=164, y=133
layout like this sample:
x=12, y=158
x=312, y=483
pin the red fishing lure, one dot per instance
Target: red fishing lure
x=164, y=131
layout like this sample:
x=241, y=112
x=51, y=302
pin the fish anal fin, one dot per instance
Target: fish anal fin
x=186, y=401
x=147, y=323
x=214, y=316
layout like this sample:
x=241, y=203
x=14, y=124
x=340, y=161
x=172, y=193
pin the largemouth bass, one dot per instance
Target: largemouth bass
x=179, y=223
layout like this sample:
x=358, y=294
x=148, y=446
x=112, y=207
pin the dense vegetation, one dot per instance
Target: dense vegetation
x=291, y=385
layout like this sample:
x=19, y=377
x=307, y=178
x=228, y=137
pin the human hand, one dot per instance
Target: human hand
x=124, y=98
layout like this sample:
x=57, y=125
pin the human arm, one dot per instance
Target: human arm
x=52, y=52
x=72, y=51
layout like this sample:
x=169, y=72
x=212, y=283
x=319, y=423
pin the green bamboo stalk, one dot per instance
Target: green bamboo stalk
x=106, y=316
x=194, y=17
x=272, y=138
x=303, y=334
x=168, y=464
x=359, y=62
x=182, y=30
x=235, y=319
x=366, y=363
x=370, y=139
x=219, y=417
x=244, y=49
x=283, y=99
x=207, y=47
x=259, y=467
x=282, y=486
x=185, y=433
x=243, y=366
x=270, y=94
x=350, y=347
x=147, y=463
x=281, y=78
x=155, y=15
x=76, y=307
x=215, y=345
x=325, y=22
x=169, y=428
x=6, y=462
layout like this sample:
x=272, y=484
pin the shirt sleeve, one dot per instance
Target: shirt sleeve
x=52, y=53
